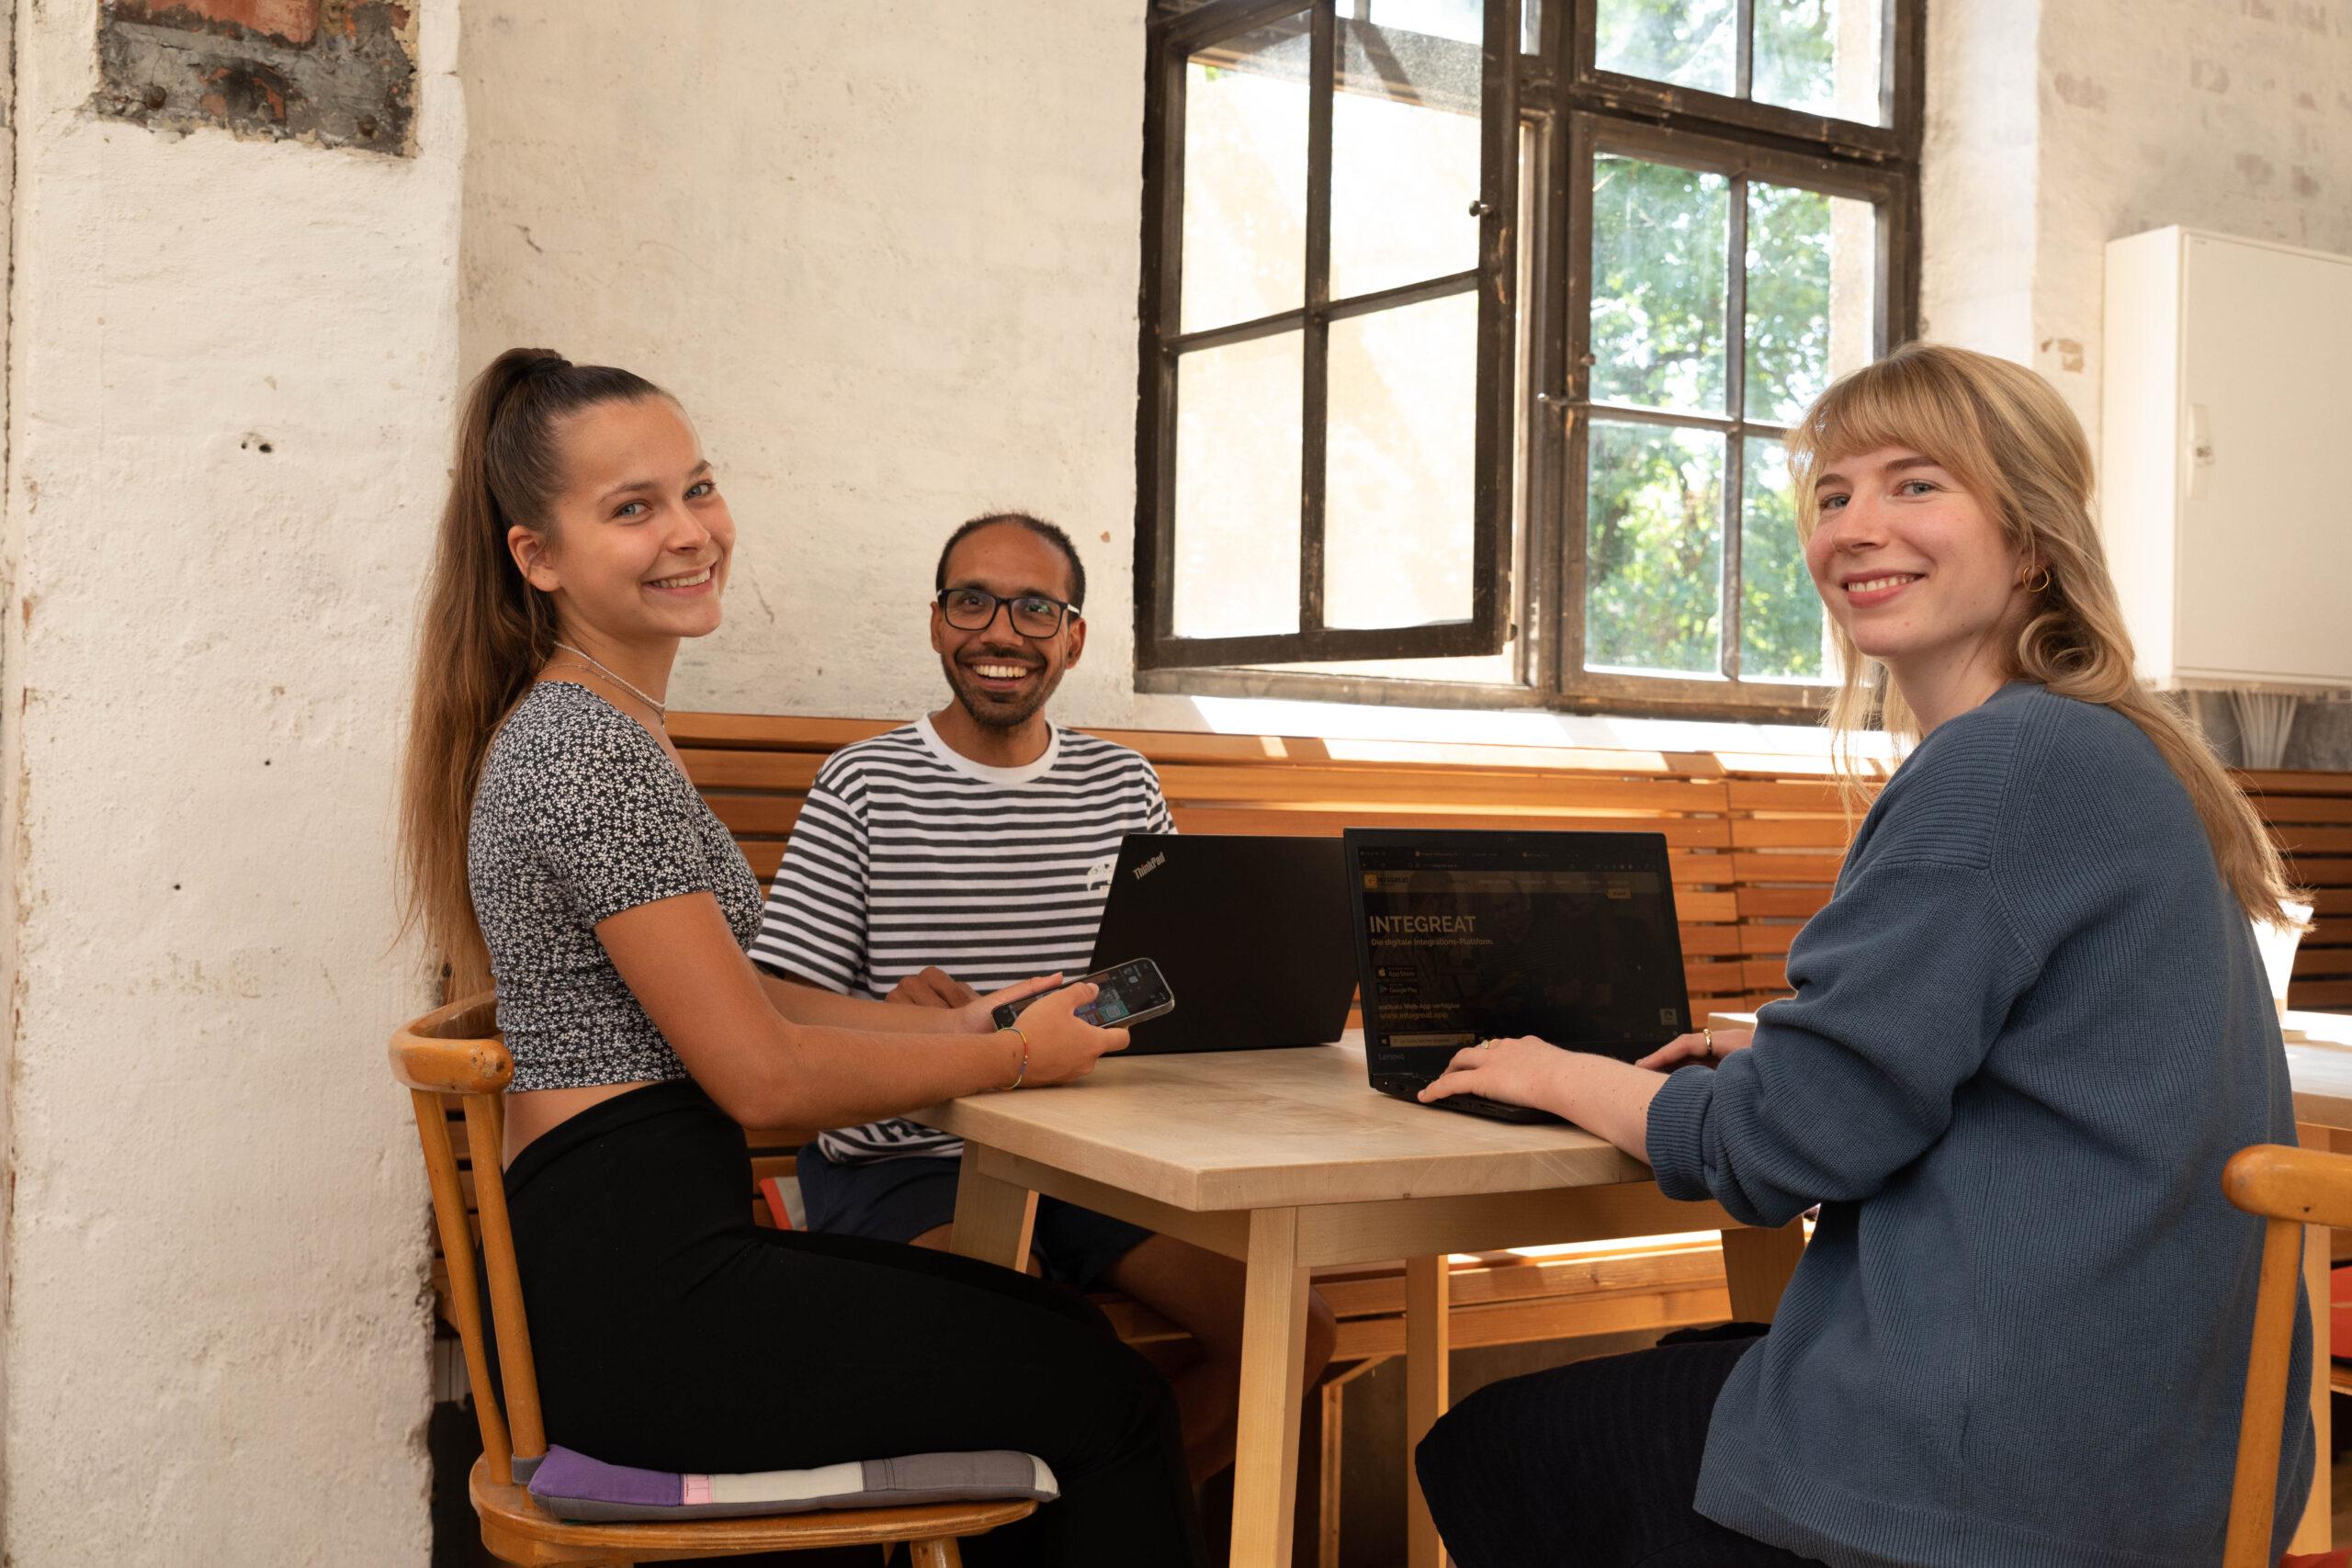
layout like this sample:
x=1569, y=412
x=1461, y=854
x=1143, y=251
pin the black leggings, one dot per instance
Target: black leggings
x=1591, y=1465
x=673, y=1333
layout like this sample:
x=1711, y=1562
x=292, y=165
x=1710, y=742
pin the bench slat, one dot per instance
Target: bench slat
x=1783, y=795
x=2265, y=782
x=2300, y=839
x=1766, y=866
x=1783, y=901
x=1788, y=832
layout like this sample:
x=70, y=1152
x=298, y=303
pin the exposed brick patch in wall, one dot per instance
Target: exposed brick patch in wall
x=286, y=21
x=331, y=72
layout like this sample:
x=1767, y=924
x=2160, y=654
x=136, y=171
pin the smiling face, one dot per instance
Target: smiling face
x=1914, y=567
x=639, y=539
x=1000, y=677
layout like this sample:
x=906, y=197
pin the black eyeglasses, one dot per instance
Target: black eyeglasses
x=1032, y=614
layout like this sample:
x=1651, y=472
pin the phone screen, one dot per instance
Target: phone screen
x=1126, y=991
x=1108, y=1007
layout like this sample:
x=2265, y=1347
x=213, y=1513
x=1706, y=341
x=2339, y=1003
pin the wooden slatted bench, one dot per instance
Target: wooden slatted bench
x=1754, y=841
x=2310, y=815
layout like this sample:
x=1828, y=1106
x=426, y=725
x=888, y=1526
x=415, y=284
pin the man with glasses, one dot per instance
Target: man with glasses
x=962, y=852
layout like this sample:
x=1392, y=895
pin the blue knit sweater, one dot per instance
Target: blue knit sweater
x=2028, y=1031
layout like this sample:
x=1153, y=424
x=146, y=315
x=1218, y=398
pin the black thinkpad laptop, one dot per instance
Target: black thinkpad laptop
x=1251, y=935
x=1465, y=936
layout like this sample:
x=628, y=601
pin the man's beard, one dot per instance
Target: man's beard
x=986, y=709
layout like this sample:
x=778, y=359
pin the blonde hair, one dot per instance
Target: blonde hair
x=2006, y=436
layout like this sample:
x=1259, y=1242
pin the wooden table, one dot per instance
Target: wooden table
x=1288, y=1160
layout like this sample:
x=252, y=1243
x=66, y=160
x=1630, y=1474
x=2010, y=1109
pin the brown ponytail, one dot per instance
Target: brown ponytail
x=2007, y=436
x=484, y=631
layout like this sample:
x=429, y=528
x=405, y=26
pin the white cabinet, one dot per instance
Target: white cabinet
x=2226, y=458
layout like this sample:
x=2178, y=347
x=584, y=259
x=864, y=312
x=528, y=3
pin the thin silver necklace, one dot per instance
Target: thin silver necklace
x=661, y=710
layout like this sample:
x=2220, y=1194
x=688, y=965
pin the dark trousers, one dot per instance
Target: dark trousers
x=673, y=1333
x=1591, y=1465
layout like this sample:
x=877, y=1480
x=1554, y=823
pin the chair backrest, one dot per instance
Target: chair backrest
x=2290, y=1187
x=455, y=1053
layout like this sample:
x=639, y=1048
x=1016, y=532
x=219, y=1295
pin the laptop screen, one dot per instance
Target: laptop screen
x=1462, y=936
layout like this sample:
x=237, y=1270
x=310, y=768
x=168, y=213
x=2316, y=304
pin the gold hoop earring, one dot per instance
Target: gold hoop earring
x=2026, y=581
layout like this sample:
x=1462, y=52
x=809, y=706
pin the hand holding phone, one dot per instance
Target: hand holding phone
x=1128, y=993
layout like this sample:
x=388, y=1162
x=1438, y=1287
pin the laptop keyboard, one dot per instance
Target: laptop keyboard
x=1469, y=1104
x=1493, y=1110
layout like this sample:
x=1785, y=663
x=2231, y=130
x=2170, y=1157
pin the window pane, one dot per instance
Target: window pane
x=1245, y=177
x=1654, y=549
x=1821, y=56
x=1404, y=157
x=1693, y=43
x=1779, y=615
x=1462, y=20
x=1658, y=237
x=1812, y=270
x=1399, y=466
x=1236, y=489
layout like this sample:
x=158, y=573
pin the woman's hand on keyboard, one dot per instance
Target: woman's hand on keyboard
x=1524, y=1071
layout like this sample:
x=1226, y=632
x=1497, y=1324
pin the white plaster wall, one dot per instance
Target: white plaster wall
x=887, y=255
x=2229, y=115
x=2054, y=126
x=1978, y=180
x=9, y=749
x=216, y=1335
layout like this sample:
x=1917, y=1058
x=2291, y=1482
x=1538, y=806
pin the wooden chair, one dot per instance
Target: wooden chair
x=2290, y=1187
x=457, y=1052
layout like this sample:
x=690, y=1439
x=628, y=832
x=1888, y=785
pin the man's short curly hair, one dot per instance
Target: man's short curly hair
x=1037, y=525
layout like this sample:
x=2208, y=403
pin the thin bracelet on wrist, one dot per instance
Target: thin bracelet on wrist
x=1024, y=1073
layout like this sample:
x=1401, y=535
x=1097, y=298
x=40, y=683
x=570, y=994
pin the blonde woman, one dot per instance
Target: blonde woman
x=2028, y=1030
x=552, y=840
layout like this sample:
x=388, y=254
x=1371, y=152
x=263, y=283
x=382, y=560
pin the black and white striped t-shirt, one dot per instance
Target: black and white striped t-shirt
x=907, y=853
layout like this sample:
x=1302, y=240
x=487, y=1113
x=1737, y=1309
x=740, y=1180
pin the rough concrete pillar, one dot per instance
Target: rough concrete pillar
x=229, y=386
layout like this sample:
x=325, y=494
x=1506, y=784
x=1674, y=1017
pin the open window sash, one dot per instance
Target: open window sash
x=1213, y=578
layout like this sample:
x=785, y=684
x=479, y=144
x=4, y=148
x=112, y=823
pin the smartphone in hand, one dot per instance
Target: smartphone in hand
x=1130, y=994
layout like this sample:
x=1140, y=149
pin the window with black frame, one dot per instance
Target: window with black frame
x=1472, y=330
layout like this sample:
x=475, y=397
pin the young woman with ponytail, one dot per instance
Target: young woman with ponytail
x=2028, y=1030
x=551, y=841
